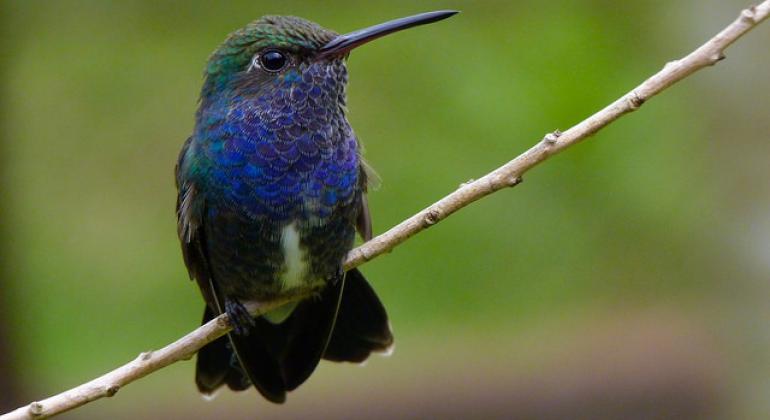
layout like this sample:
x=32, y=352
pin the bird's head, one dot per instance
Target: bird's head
x=285, y=51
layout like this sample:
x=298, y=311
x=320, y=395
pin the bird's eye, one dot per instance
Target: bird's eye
x=273, y=60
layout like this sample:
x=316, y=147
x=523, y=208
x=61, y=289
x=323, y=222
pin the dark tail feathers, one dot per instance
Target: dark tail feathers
x=362, y=324
x=279, y=358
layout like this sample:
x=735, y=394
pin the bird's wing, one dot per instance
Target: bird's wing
x=364, y=220
x=189, y=211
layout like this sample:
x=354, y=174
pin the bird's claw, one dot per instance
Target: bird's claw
x=240, y=318
x=337, y=277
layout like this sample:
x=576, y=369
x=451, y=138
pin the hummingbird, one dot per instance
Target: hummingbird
x=271, y=192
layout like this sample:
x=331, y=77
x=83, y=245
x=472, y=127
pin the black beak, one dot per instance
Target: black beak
x=342, y=44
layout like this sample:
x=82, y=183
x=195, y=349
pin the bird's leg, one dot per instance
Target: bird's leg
x=240, y=318
x=337, y=276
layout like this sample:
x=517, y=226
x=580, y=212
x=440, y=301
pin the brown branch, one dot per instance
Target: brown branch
x=508, y=175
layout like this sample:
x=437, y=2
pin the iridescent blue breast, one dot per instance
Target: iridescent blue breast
x=284, y=154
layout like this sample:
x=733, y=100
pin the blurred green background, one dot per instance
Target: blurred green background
x=627, y=277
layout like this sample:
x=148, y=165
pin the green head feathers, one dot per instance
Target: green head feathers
x=298, y=37
x=287, y=33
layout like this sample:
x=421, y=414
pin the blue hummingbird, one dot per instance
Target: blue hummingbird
x=271, y=191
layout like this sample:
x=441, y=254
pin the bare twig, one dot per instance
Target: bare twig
x=508, y=175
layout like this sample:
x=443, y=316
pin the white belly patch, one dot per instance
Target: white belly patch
x=295, y=264
x=293, y=274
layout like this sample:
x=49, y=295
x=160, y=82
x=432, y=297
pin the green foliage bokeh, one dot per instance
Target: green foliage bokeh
x=101, y=96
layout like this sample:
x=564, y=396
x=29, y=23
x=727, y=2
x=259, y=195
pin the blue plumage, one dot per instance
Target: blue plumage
x=282, y=152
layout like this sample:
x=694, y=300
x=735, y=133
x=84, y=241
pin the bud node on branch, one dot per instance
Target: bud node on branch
x=432, y=217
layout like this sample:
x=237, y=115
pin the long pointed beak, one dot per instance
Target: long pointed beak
x=344, y=43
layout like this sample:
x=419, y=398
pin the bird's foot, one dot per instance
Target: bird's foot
x=240, y=318
x=337, y=277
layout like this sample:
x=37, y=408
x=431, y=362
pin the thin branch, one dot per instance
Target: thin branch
x=508, y=175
